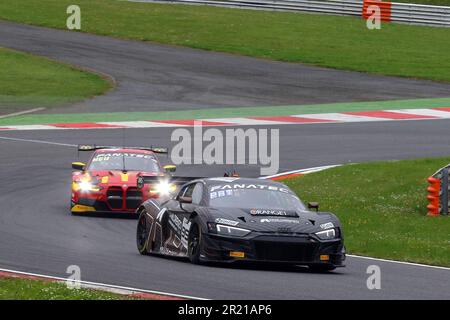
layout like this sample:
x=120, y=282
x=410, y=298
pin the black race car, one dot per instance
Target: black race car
x=230, y=219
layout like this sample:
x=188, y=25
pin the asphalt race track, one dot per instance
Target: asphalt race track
x=38, y=234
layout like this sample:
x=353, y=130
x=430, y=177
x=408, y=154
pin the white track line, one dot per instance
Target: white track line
x=103, y=285
x=308, y=170
x=399, y=262
x=39, y=141
x=21, y=113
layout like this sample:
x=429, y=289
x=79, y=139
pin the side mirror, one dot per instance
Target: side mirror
x=185, y=199
x=78, y=166
x=170, y=168
x=313, y=205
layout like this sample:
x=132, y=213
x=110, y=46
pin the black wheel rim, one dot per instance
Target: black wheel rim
x=142, y=232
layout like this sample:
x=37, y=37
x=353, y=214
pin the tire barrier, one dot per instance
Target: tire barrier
x=438, y=193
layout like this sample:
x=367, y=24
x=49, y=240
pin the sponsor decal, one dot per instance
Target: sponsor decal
x=106, y=156
x=272, y=212
x=245, y=186
x=175, y=222
x=227, y=222
x=275, y=220
x=185, y=232
x=327, y=225
x=220, y=194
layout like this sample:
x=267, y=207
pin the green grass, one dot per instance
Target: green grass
x=325, y=40
x=27, y=80
x=382, y=206
x=225, y=112
x=24, y=289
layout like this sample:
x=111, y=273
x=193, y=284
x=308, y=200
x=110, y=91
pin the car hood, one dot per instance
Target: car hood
x=118, y=178
x=267, y=221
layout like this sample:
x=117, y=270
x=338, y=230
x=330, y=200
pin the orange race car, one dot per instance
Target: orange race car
x=108, y=182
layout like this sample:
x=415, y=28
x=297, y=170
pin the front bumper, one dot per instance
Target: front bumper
x=115, y=199
x=93, y=205
x=291, y=249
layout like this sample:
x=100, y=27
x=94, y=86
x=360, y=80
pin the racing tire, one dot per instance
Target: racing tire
x=195, y=243
x=142, y=234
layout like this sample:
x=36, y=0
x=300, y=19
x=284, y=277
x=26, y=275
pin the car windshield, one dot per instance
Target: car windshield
x=124, y=161
x=275, y=199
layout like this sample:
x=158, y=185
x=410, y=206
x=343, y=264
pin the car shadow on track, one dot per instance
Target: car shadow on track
x=254, y=266
x=110, y=215
x=276, y=267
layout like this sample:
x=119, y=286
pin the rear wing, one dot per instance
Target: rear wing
x=88, y=147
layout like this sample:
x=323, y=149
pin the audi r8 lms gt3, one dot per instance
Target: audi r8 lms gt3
x=107, y=183
x=240, y=219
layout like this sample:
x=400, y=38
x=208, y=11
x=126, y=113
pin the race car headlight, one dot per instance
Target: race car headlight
x=231, y=231
x=163, y=188
x=326, y=234
x=86, y=186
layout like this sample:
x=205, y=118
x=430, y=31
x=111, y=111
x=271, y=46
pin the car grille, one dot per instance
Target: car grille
x=285, y=251
x=115, y=196
x=134, y=198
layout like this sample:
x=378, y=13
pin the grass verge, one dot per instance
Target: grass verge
x=29, y=81
x=325, y=40
x=25, y=289
x=382, y=206
x=225, y=112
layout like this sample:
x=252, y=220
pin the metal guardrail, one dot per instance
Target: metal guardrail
x=400, y=12
x=421, y=14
